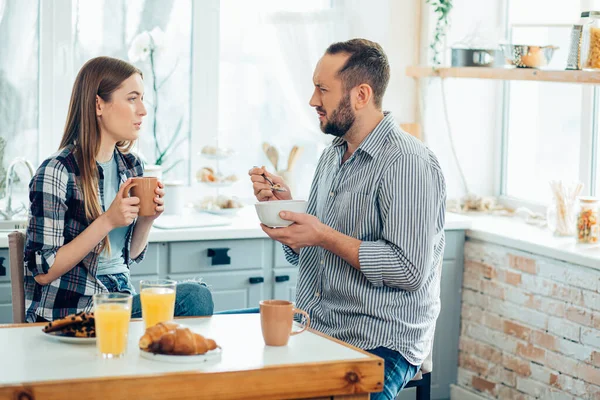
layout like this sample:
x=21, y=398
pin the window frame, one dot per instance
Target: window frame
x=588, y=151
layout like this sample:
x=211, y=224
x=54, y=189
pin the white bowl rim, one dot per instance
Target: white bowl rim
x=279, y=202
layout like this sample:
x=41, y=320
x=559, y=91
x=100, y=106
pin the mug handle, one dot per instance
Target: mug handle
x=306, y=325
x=128, y=188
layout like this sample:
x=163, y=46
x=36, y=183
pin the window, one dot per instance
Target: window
x=267, y=53
x=18, y=85
x=547, y=133
x=109, y=27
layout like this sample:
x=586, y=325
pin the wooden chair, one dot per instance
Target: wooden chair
x=413, y=129
x=422, y=381
x=16, y=244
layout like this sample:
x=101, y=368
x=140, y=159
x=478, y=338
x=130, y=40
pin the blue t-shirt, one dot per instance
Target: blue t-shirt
x=113, y=263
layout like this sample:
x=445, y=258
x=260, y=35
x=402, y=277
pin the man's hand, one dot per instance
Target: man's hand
x=306, y=231
x=262, y=189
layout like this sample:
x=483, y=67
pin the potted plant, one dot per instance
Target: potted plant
x=145, y=47
x=441, y=9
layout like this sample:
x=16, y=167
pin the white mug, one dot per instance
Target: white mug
x=174, y=197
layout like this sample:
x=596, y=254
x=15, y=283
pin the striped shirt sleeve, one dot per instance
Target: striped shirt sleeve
x=409, y=201
x=290, y=255
x=48, y=196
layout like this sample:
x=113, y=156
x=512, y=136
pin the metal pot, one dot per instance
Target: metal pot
x=477, y=57
x=526, y=56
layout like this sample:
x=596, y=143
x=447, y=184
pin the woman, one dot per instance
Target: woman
x=83, y=235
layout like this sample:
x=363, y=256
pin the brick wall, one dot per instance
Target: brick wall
x=530, y=326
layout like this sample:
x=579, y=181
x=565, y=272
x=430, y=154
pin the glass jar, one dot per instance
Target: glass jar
x=562, y=220
x=590, y=40
x=588, y=226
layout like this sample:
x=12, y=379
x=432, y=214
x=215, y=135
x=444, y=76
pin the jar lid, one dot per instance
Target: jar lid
x=588, y=14
x=589, y=199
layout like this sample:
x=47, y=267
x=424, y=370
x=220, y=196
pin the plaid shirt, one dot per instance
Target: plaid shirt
x=56, y=217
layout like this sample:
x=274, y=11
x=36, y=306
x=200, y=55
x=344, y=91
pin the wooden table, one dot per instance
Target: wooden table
x=312, y=365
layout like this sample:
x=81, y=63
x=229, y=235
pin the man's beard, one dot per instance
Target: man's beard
x=341, y=120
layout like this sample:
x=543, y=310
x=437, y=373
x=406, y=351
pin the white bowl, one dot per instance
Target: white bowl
x=268, y=211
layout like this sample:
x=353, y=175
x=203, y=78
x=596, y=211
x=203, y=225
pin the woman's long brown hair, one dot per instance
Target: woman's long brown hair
x=99, y=76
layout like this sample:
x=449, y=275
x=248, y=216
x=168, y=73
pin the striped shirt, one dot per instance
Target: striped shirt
x=390, y=194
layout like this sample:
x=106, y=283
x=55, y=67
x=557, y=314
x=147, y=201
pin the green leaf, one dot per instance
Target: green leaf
x=171, y=142
x=172, y=166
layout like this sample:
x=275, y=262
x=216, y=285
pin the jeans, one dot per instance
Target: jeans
x=191, y=298
x=254, y=310
x=398, y=372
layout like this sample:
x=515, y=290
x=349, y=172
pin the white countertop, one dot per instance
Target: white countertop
x=514, y=232
x=511, y=232
x=23, y=362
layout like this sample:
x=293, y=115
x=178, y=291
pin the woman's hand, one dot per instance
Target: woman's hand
x=123, y=210
x=262, y=188
x=42, y=279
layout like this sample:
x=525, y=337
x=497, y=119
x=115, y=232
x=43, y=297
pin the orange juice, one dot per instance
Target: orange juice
x=158, y=305
x=112, y=327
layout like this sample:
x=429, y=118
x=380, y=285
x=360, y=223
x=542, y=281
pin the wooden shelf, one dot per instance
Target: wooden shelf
x=506, y=74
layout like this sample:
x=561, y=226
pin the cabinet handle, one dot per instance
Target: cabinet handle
x=219, y=256
x=282, y=278
x=256, y=279
x=2, y=267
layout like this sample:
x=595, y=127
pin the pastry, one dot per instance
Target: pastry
x=75, y=325
x=174, y=339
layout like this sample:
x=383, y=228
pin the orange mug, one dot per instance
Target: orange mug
x=276, y=317
x=143, y=188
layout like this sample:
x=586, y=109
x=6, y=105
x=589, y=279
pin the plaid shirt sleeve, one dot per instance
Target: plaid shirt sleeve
x=48, y=198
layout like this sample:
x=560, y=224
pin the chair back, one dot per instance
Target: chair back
x=412, y=129
x=16, y=244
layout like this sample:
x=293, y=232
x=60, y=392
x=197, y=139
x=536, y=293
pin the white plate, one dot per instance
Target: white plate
x=218, y=184
x=223, y=211
x=220, y=156
x=70, y=339
x=213, y=355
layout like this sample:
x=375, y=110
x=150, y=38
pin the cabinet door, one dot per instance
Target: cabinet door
x=6, y=316
x=135, y=280
x=156, y=256
x=232, y=289
x=4, y=267
x=447, y=331
x=284, y=283
x=207, y=256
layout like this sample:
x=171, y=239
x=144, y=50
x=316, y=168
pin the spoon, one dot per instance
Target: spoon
x=274, y=186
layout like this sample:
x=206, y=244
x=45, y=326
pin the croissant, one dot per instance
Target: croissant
x=182, y=341
x=154, y=333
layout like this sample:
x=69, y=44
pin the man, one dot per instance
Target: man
x=370, y=247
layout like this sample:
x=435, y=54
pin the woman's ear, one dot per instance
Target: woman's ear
x=99, y=106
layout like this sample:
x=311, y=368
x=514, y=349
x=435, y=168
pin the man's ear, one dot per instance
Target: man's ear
x=364, y=94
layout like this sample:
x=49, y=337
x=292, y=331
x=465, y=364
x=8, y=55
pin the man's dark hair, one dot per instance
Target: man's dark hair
x=367, y=64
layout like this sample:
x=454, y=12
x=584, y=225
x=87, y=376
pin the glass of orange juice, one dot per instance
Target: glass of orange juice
x=158, y=301
x=112, y=312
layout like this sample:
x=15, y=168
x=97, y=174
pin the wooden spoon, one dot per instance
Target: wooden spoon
x=273, y=156
x=294, y=156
